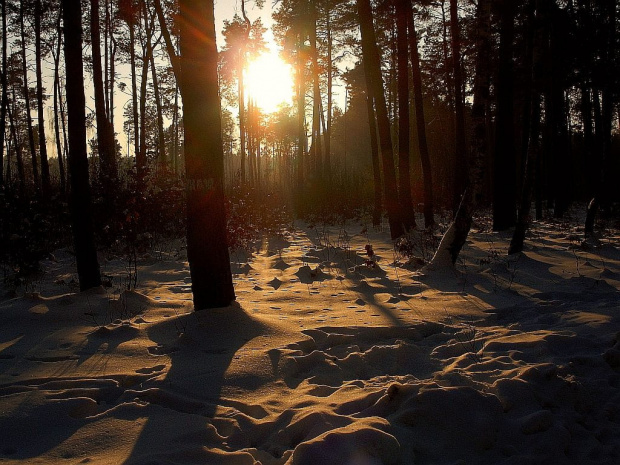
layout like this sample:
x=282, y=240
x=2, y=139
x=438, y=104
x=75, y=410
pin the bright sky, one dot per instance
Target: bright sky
x=268, y=79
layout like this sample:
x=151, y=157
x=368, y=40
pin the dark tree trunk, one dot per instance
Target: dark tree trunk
x=403, y=11
x=460, y=160
x=602, y=196
x=454, y=239
x=376, y=162
x=301, y=114
x=21, y=175
x=330, y=76
x=317, y=149
x=33, y=150
x=242, y=119
x=147, y=51
x=131, y=23
x=105, y=133
x=425, y=159
x=532, y=167
x=504, y=178
x=83, y=234
x=372, y=68
x=57, y=96
x=5, y=100
x=174, y=59
x=207, y=250
x=45, y=167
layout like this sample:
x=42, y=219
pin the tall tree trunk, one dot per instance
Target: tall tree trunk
x=403, y=10
x=83, y=234
x=460, y=160
x=301, y=113
x=147, y=51
x=537, y=34
x=376, y=162
x=504, y=179
x=425, y=159
x=105, y=134
x=161, y=142
x=242, y=116
x=33, y=150
x=602, y=196
x=330, y=78
x=317, y=149
x=45, y=167
x=5, y=100
x=207, y=251
x=57, y=95
x=21, y=175
x=131, y=23
x=174, y=59
x=372, y=69
x=454, y=239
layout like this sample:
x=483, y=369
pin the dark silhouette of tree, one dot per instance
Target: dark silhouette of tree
x=4, y=102
x=106, y=144
x=456, y=235
x=403, y=11
x=83, y=235
x=372, y=69
x=45, y=169
x=504, y=179
x=207, y=251
x=418, y=96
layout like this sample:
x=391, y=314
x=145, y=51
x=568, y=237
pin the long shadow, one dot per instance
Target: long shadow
x=182, y=405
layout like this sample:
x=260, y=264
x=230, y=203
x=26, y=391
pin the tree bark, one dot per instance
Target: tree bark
x=403, y=11
x=83, y=234
x=207, y=248
x=33, y=150
x=425, y=159
x=376, y=163
x=5, y=100
x=372, y=68
x=504, y=178
x=460, y=160
x=57, y=95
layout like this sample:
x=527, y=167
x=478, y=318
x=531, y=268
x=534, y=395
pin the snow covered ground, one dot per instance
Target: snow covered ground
x=329, y=356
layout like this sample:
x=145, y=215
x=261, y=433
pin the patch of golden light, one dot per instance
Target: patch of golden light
x=269, y=81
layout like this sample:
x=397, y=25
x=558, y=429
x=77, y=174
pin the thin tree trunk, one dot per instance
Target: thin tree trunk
x=105, y=143
x=174, y=59
x=33, y=150
x=376, y=162
x=301, y=114
x=460, y=160
x=83, y=234
x=18, y=153
x=57, y=91
x=134, y=86
x=147, y=51
x=5, y=99
x=45, y=167
x=372, y=69
x=317, y=149
x=242, y=117
x=330, y=78
x=425, y=159
x=207, y=251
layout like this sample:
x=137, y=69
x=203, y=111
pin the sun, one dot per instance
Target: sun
x=269, y=81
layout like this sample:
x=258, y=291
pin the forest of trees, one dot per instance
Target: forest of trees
x=121, y=123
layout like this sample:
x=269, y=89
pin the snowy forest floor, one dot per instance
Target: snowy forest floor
x=329, y=356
